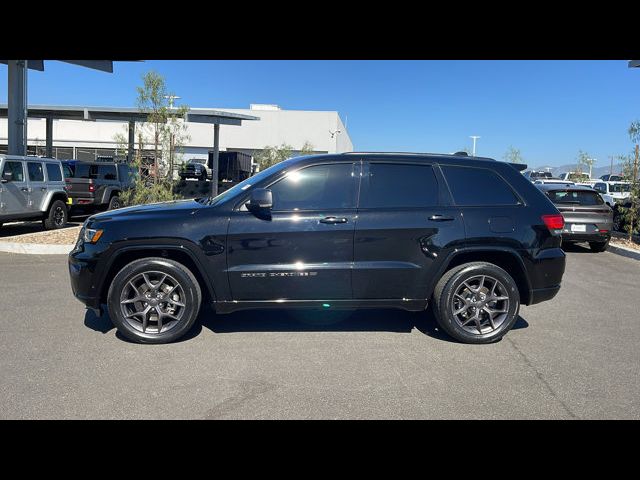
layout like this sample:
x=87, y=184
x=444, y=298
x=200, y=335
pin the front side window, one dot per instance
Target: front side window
x=399, y=185
x=53, y=172
x=16, y=170
x=316, y=188
x=601, y=187
x=472, y=186
x=36, y=174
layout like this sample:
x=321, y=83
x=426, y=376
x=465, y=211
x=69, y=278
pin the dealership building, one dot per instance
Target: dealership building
x=270, y=126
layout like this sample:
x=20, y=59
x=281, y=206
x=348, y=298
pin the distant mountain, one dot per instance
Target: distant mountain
x=597, y=172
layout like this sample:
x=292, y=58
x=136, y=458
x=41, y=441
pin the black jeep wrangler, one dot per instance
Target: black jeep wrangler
x=471, y=237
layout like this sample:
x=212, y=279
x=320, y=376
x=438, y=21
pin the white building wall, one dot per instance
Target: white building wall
x=275, y=127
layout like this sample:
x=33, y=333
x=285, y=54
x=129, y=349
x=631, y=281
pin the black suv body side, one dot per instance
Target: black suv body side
x=343, y=231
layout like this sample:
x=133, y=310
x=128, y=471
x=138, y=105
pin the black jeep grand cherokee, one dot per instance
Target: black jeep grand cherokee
x=470, y=236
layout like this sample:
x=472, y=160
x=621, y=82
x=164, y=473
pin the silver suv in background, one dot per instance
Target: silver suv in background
x=32, y=188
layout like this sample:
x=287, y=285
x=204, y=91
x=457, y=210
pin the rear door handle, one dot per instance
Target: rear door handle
x=333, y=220
x=44, y=189
x=24, y=189
x=440, y=218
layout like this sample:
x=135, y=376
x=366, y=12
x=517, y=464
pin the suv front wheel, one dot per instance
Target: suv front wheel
x=476, y=302
x=154, y=300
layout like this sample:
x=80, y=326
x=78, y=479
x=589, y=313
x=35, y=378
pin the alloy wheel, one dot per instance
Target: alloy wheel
x=480, y=304
x=153, y=302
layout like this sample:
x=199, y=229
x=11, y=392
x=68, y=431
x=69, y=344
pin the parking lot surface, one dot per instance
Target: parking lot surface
x=575, y=357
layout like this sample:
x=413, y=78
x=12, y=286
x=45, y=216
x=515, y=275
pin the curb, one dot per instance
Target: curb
x=623, y=251
x=35, y=248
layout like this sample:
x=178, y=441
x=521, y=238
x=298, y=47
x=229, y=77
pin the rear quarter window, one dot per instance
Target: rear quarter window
x=472, y=186
x=54, y=174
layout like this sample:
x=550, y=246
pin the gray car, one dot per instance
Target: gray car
x=32, y=188
x=587, y=218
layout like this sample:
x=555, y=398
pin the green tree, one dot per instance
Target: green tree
x=631, y=214
x=270, y=155
x=165, y=124
x=583, y=165
x=513, y=155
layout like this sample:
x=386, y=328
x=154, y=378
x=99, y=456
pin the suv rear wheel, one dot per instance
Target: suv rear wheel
x=599, y=246
x=57, y=216
x=154, y=300
x=115, y=202
x=476, y=302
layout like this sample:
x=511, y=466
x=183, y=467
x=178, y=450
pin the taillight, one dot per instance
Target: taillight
x=91, y=188
x=553, y=222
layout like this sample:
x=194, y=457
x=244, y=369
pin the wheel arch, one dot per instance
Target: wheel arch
x=505, y=258
x=183, y=255
x=52, y=197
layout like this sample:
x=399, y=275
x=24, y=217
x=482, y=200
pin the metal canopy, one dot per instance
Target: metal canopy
x=126, y=114
x=634, y=63
x=103, y=65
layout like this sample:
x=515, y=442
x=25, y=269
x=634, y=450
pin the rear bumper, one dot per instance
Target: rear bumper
x=543, y=294
x=586, y=237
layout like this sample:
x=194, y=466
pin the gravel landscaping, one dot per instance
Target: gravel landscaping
x=64, y=236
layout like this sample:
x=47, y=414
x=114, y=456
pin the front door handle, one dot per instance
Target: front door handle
x=333, y=220
x=24, y=189
x=440, y=218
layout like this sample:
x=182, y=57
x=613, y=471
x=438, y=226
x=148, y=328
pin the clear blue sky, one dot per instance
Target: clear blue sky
x=547, y=109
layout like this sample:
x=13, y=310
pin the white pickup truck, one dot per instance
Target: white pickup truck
x=613, y=192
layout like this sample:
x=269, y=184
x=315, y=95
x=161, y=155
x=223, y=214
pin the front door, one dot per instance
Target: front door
x=405, y=223
x=14, y=195
x=304, y=249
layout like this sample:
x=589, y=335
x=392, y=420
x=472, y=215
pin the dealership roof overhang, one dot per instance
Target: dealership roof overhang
x=125, y=114
x=634, y=63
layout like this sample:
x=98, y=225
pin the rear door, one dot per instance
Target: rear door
x=37, y=185
x=14, y=195
x=405, y=221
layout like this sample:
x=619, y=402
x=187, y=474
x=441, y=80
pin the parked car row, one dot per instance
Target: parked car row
x=36, y=188
x=592, y=208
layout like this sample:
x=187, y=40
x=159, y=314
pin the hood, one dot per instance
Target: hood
x=184, y=207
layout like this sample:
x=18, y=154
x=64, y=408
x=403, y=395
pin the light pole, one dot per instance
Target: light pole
x=475, y=137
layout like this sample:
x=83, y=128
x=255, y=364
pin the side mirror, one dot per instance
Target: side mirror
x=7, y=177
x=260, y=201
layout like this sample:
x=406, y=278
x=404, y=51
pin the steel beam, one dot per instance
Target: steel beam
x=49, y=137
x=214, y=166
x=17, y=108
x=132, y=138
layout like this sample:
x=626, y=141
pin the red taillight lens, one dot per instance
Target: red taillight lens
x=91, y=188
x=553, y=222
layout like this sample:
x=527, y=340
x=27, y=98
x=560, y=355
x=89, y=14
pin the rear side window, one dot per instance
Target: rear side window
x=107, y=172
x=575, y=197
x=16, y=170
x=36, y=174
x=398, y=185
x=53, y=172
x=85, y=171
x=478, y=187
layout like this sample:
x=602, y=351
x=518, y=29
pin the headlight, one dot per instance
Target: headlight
x=92, y=235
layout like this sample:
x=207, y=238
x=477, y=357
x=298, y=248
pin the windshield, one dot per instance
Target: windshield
x=619, y=187
x=244, y=185
x=576, y=197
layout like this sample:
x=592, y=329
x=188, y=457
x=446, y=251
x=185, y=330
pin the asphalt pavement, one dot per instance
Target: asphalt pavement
x=575, y=357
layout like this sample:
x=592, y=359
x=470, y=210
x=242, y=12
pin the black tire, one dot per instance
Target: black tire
x=204, y=176
x=618, y=223
x=190, y=290
x=448, y=285
x=114, y=203
x=56, y=217
x=599, y=246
